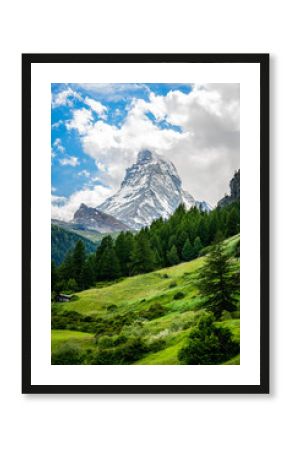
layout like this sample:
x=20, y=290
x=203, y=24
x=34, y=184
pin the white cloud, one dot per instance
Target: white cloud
x=115, y=91
x=82, y=121
x=205, y=152
x=57, y=200
x=91, y=197
x=69, y=161
x=65, y=98
x=96, y=106
x=57, y=124
x=84, y=173
x=57, y=145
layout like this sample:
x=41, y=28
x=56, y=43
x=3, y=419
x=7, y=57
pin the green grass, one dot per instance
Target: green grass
x=61, y=337
x=135, y=295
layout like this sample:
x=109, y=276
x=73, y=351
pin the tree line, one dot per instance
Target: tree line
x=165, y=243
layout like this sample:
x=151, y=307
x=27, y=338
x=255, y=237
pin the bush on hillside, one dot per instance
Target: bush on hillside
x=208, y=344
x=179, y=295
x=69, y=354
x=156, y=310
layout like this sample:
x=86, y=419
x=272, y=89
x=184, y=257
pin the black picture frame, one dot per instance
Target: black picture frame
x=263, y=61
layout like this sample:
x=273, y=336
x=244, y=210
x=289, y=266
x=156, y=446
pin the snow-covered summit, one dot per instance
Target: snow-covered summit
x=151, y=189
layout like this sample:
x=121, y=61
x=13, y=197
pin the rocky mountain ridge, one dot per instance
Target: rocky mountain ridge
x=151, y=189
x=234, y=191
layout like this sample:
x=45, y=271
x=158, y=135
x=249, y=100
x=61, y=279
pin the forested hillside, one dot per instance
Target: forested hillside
x=62, y=241
x=160, y=317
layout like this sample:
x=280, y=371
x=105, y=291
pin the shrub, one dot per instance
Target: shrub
x=172, y=285
x=69, y=354
x=155, y=310
x=165, y=275
x=226, y=315
x=112, y=307
x=156, y=345
x=208, y=344
x=133, y=350
x=178, y=295
x=105, y=341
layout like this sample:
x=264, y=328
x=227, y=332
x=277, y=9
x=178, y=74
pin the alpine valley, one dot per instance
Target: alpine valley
x=160, y=286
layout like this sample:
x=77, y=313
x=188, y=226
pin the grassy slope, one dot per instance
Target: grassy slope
x=138, y=293
x=61, y=337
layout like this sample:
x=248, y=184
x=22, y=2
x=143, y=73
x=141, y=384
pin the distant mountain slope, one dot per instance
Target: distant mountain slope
x=92, y=235
x=63, y=240
x=235, y=191
x=151, y=189
x=93, y=219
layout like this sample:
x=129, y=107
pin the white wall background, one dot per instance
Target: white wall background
x=130, y=422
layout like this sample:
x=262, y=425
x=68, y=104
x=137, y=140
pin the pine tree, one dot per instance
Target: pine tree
x=233, y=222
x=89, y=276
x=67, y=268
x=219, y=281
x=172, y=256
x=123, y=248
x=203, y=229
x=106, y=243
x=155, y=244
x=182, y=237
x=197, y=246
x=54, y=277
x=79, y=259
x=142, y=256
x=187, y=251
x=109, y=266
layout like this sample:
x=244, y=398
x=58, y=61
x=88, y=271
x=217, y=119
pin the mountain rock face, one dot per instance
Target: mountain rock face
x=235, y=191
x=93, y=219
x=151, y=189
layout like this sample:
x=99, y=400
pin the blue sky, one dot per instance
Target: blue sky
x=98, y=129
x=72, y=169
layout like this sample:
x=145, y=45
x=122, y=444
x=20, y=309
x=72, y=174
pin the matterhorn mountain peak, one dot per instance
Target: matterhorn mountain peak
x=151, y=189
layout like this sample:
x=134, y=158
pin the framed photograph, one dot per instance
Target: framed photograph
x=145, y=223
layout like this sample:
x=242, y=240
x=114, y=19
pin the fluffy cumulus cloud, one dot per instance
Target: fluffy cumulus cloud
x=198, y=132
x=69, y=161
x=57, y=145
x=98, y=107
x=64, y=208
x=65, y=97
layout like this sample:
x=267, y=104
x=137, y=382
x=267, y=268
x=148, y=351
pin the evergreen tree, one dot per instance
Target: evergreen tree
x=203, y=229
x=142, y=256
x=219, y=281
x=67, y=268
x=106, y=243
x=88, y=275
x=172, y=256
x=187, y=251
x=109, y=267
x=72, y=285
x=79, y=259
x=155, y=244
x=123, y=247
x=233, y=222
x=54, y=277
x=197, y=246
x=182, y=237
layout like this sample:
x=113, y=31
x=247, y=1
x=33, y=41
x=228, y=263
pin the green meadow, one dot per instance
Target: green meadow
x=157, y=310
